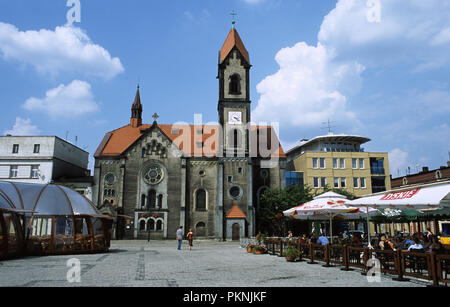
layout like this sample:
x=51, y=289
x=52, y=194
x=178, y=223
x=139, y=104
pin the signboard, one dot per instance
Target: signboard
x=400, y=195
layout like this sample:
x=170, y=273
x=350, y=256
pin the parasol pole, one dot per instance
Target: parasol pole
x=368, y=227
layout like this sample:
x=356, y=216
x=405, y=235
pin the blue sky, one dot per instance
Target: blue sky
x=375, y=68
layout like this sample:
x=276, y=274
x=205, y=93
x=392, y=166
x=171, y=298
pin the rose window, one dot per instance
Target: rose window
x=154, y=175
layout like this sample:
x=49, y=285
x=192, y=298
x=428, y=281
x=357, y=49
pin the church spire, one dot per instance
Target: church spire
x=233, y=40
x=136, y=111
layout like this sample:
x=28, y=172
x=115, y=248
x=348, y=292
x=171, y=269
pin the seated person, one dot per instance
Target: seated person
x=416, y=246
x=323, y=240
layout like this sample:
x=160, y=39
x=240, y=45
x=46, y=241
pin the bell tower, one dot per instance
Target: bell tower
x=234, y=94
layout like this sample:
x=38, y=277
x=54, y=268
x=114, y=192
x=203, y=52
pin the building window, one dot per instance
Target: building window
x=342, y=162
x=323, y=182
x=34, y=171
x=322, y=162
x=438, y=174
x=336, y=182
x=355, y=183
x=293, y=178
x=230, y=179
x=315, y=163
x=361, y=163
x=316, y=182
x=37, y=148
x=363, y=182
x=151, y=224
x=143, y=199
x=160, y=201
x=405, y=181
x=15, y=148
x=235, y=85
x=200, y=200
x=142, y=225
x=354, y=163
x=240, y=170
x=159, y=225
x=13, y=171
x=343, y=183
x=335, y=163
x=152, y=199
x=199, y=144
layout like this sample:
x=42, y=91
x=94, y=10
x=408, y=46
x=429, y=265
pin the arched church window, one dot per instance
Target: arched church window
x=159, y=225
x=152, y=199
x=143, y=199
x=235, y=84
x=200, y=200
x=142, y=225
x=151, y=224
x=160, y=201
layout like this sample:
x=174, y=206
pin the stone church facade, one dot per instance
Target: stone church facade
x=153, y=178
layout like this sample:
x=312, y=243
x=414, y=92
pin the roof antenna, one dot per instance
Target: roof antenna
x=328, y=127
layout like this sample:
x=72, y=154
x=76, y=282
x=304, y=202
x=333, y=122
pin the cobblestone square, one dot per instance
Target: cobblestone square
x=160, y=264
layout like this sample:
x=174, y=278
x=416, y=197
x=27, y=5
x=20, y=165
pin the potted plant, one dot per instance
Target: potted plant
x=259, y=249
x=291, y=254
x=249, y=247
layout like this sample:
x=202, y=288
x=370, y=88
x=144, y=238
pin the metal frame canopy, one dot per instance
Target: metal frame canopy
x=417, y=197
x=45, y=200
x=49, y=219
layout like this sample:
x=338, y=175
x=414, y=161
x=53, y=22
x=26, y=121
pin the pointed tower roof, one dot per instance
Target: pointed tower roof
x=137, y=100
x=136, y=111
x=233, y=40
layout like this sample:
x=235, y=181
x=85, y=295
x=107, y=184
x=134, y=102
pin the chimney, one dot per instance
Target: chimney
x=425, y=169
x=448, y=163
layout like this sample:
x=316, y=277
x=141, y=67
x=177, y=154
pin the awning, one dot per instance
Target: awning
x=419, y=197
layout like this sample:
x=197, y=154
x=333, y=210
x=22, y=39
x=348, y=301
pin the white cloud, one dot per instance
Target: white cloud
x=66, y=49
x=316, y=83
x=413, y=31
x=69, y=101
x=309, y=87
x=23, y=127
x=398, y=161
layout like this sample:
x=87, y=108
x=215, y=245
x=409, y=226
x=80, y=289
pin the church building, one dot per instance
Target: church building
x=153, y=178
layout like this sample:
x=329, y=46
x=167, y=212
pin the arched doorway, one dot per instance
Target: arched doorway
x=236, y=236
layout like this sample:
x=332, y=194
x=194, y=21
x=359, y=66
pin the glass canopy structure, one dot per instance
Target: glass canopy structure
x=38, y=219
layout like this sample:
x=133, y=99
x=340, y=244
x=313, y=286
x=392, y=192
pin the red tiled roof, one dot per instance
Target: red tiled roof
x=235, y=213
x=232, y=40
x=116, y=142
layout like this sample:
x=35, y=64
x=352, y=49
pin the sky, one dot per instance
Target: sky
x=374, y=68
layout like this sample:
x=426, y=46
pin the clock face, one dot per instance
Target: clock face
x=235, y=118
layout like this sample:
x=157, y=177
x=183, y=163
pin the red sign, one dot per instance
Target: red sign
x=400, y=195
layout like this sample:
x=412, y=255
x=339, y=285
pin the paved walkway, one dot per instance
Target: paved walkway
x=160, y=264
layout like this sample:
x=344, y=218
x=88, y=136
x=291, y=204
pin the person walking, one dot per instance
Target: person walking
x=179, y=236
x=190, y=237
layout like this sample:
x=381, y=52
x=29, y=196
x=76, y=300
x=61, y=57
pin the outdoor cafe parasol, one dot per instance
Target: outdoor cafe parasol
x=428, y=196
x=325, y=206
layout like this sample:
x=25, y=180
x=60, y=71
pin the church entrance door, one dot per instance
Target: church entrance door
x=236, y=232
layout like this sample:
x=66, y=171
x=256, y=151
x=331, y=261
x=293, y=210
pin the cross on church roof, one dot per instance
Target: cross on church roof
x=234, y=15
x=155, y=117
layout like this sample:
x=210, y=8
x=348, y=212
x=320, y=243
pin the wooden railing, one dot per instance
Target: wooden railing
x=423, y=265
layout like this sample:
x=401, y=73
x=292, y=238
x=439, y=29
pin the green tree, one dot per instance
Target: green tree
x=275, y=201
